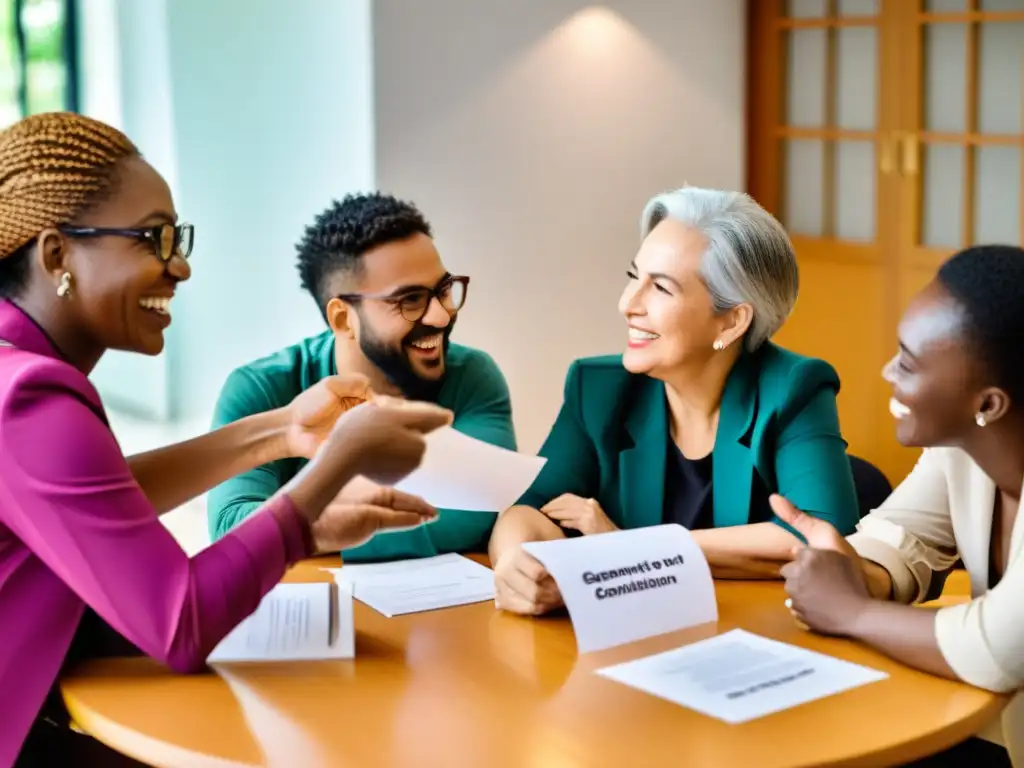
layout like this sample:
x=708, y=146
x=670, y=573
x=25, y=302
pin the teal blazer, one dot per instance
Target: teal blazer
x=778, y=418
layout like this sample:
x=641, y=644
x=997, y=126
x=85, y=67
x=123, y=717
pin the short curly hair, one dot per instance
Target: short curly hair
x=340, y=236
x=988, y=283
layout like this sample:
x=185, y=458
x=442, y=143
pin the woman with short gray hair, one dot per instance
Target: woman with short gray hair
x=748, y=259
x=702, y=420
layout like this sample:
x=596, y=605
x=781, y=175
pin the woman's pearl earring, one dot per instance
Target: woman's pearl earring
x=980, y=419
x=718, y=346
x=64, y=289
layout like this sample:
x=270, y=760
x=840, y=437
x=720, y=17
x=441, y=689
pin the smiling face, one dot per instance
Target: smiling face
x=938, y=385
x=409, y=352
x=669, y=311
x=121, y=289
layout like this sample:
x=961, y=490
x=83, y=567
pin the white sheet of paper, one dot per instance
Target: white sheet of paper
x=294, y=622
x=627, y=585
x=738, y=676
x=460, y=472
x=412, y=586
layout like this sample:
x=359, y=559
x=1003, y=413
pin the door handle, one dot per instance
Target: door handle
x=886, y=154
x=911, y=150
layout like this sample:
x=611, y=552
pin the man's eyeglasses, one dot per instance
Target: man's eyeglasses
x=167, y=239
x=413, y=304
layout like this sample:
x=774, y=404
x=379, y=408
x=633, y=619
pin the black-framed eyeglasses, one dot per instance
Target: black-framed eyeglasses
x=413, y=304
x=167, y=239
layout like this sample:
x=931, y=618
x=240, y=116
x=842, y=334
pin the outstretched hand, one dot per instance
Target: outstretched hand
x=385, y=438
x=376, y=440
x=363, y=508
x=313, y=413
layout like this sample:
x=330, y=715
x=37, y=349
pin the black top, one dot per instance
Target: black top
x=51, y=742
x=688, y=497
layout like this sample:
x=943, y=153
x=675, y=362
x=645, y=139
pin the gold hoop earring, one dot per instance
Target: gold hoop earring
x=718, y=346
x=64, y=289
x=979, y=419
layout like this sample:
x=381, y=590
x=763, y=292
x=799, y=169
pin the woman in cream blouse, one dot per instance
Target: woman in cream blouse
x=958, y=392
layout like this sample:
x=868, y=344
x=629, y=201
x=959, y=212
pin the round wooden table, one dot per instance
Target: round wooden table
x=472, y=686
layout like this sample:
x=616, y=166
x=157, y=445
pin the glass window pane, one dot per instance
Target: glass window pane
x=9, y=109
x=43, y=22
x=945, y=77
x=997, y=195
x=804, y=186
x=942, y=196
x=805, y=82
x=806, y=9
x=1002, y=5
x=855, y=190
x=856, y=78
x=1000, y=77
x=945, y=6
x=858, y=7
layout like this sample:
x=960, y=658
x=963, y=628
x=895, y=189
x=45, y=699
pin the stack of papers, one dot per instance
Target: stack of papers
x=294, y=622
x=739, y=676
x=411, y=586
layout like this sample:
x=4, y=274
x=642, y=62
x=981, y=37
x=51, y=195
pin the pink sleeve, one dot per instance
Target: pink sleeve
x=73, y=501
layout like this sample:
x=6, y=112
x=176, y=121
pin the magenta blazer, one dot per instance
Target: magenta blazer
x=76, y=530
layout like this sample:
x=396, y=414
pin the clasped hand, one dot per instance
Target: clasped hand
x=825, y=581
x=579, y=514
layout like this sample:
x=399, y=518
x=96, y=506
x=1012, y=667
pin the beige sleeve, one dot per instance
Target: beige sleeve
x=983, y=640
x=911, y=534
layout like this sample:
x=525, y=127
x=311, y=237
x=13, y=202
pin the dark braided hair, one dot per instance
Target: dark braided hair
x=54, y=167
x=342, y=234
x=988, y=283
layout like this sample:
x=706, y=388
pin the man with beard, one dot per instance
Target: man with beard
x=370, y=264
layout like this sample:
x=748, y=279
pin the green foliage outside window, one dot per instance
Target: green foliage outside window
x=37, y=58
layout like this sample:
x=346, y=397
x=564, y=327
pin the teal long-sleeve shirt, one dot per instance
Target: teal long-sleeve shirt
x=474, y=390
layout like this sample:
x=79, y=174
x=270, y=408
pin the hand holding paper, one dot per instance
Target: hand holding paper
x=627, y=585
x=523, y=585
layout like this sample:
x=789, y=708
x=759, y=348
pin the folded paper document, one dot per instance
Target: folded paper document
x=294, y=622
x=461, y=472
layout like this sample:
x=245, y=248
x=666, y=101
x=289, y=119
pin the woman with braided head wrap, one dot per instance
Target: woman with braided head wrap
x=58, y=202
x=91, y=254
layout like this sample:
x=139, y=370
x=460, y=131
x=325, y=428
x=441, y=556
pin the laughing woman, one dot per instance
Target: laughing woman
x=958, y=392
x=702, y=417
x=90, y=254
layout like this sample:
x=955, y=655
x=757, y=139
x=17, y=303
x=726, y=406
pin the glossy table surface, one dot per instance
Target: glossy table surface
x=471, y=686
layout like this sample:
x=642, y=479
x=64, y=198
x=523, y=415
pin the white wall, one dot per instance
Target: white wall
x=531, y=134
x=125, y=67
x=273, y=113
x=259, y=112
